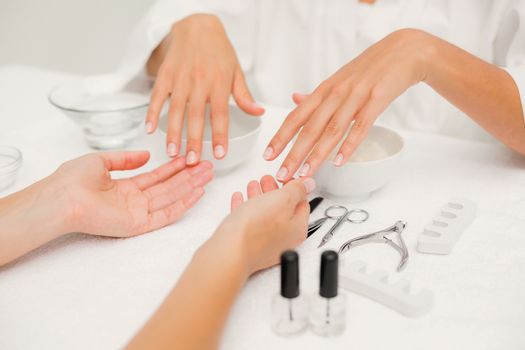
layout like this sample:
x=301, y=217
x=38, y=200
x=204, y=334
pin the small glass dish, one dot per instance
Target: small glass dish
x=10, y=162
x=110, y=113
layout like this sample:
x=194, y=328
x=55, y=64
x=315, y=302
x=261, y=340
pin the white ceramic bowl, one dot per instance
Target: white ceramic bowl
x=10, y=162
x=242, y=138
x=372, y=165
x=110, y=114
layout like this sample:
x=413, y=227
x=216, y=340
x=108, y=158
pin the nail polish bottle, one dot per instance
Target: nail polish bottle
x=328, y=309
x=289, y=308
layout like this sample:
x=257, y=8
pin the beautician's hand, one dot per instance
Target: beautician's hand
x=251, y=238
x=195, y=65
x=129, y=206
x=358, y=92
x=271, y=221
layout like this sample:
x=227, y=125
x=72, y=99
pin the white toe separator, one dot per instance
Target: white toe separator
x=441, y=235
x=375, y=285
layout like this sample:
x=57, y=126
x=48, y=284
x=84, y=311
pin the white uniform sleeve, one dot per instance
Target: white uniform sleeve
x=237, y=16
x=509, y=46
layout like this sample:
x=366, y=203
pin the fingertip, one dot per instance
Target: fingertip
x=339, y=160
x=236, y=200
x=207, y=164
x=150, y=128
x=268, y=153
x=309, y=184
x=219, y=151
x=298, y=97
x=251, y=107
x=192, y=158
x=172, y=149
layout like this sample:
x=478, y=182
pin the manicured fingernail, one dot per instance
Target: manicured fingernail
x=172, y=149
x=191, y=157
x=149, y=127
x=309, y=184
x=256, y=105
x=304, y=169
x=219, y=151
x=268, y=152
x=338, y=160
x=281, y=174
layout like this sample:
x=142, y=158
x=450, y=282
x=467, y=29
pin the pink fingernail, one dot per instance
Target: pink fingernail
x=191, y=157
x=219, y=151
x=149, y=127
x=268, y=152
x=172, y=149
x=309, y=184
x=304, y=169
x=281, y=174
x=256, y=105
x=338, y=161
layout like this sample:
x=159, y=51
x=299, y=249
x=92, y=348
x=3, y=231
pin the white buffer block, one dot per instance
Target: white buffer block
x=376, y=286
x=441, y=235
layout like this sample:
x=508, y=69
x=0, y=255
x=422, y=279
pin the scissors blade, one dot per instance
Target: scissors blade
x=325, y=240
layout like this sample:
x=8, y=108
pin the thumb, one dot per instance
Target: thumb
x=298, y=98
x=299, y=188
x=242, y=95
x=125, y=160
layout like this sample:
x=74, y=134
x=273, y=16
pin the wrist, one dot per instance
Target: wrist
x=198, y=21
x=426, y=53
x=29, y=219
x=228, y=245
x=421, y=49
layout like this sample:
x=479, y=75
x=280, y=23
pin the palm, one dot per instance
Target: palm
x=131, y=206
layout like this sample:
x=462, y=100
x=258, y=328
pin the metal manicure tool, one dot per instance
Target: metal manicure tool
x=381, y=237
x=340, y=214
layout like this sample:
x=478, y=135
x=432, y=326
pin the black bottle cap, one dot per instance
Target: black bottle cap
x=329, y=271
x=289, y=274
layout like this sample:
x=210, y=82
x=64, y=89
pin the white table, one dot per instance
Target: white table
x=83, y=292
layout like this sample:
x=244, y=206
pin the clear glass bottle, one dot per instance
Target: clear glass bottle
x=289, y=308
x=328, y=315
x=328, y=308
x=290, y=315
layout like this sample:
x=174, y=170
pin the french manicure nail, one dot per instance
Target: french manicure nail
x=172, y=149
x=309, y=184
x=219, y=151
x=338, y=160
x=304, y=169
x=149, y=127
x=281, y=174
x=256, y=105
x=191, y=157
x=268, y=152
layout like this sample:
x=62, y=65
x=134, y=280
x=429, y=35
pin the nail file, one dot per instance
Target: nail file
x=376, y=285
x=440, y=236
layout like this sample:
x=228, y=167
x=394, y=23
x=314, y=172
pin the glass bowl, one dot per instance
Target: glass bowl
x=109, y=113
x=10, y=162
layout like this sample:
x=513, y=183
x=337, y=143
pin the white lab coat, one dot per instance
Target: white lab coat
x=287, y=46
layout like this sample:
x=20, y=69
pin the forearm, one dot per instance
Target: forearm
x=194, y=313
x=483, y=91
x=29, y=219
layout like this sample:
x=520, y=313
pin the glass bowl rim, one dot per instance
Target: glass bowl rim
x=15, y=163
x=86, y=111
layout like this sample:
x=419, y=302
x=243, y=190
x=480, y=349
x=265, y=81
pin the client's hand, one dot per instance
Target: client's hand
x=81, y=196
x=271, y=221
x=130, y=206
